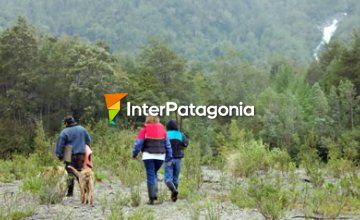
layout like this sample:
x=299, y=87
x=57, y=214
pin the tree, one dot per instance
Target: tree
x=320, y=109
x=161, y=71
x=18, y=48
x=349, y=101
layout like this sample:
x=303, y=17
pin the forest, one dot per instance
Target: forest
x=200, y=30
x=301, y=149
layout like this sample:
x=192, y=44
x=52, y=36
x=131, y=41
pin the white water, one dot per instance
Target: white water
x=328, y=31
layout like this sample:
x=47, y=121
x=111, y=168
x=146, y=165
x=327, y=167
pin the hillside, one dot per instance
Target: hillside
x=198, y=30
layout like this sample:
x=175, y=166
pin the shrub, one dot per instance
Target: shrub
x=20, y=143
x=50, y=189
x=116, y=214
x=192, y=164
x=249, y=158
x=310, y=161
x=212, y=210
x=268, y=194
x=142, y=214
x=191, y=176
x=100, y=176
x=42, y=145
x=17, y=206
x=240, y=197
x=194, y=206
x=112, y=152
x=350, y=145
x=103, y=201
x=19, y=167
x=280, y=159
x=271, y=199
x=327, y=201
x=132, y=173
x=340, y=167
x=186, y=188
x=117, y=205
x=135, y=196
x=6, y=174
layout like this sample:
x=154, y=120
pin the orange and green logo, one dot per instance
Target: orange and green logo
x=113, y=105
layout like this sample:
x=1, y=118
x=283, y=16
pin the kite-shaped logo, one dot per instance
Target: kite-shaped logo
x=112, y=101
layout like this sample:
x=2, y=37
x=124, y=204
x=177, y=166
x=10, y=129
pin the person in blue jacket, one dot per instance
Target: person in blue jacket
x=178, y=142
x=77, y=137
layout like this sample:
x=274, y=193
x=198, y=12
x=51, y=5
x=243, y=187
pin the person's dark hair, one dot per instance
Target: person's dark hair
x=69, y=120
x=172, y=125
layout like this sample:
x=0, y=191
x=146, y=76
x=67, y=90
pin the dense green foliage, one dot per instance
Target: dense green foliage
x=198, y=30
x=45, y=77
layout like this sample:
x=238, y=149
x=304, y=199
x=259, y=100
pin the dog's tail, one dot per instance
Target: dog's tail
x=77, y=174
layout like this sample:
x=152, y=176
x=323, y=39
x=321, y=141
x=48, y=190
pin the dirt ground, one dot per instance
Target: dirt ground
x=71, y=208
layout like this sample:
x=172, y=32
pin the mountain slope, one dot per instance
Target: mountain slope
x=199, y=30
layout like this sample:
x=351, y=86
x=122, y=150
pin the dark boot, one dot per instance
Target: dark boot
x=70, y=186
x=152, y=195
x=174, y=192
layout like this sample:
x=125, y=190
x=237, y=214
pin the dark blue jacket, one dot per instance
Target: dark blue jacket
x=178, y=142
x=74, y=135
x=177, y=139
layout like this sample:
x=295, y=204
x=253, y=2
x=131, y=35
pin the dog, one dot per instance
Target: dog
x=57, y=174
x=86, y=184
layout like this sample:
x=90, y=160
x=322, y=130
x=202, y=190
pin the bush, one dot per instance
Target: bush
x=135, y=196
x=19, y=167
x=249, y=158
x=268, y=194
x=350, y=145
x=11, y=144
x=240, y=197
x=327, y=201
x=43, y=149
x=117, y=205
x=100, y=176
x=50, y=189
x=280, y=159
x=116, y=214
x=142, y=214
x=191, y=176
x=112, y=152
x=310, y=161
x=17, y=206
x=193, y=206
x=212, y=210
x=340, y=167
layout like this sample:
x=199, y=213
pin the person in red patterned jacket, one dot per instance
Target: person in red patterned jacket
x=155, y=146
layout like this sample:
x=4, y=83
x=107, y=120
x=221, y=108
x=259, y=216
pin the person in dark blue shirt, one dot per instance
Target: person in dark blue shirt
x=77, y=137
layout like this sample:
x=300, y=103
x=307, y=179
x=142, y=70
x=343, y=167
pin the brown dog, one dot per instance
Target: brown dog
x=86, y=184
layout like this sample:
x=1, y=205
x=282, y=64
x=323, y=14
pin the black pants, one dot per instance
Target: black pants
x=77, y=161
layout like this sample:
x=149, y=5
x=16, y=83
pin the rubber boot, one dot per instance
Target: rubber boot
x=71, y=183
x=173, y=190
x=151, y=192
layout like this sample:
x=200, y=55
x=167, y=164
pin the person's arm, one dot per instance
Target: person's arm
x=168, y=155
x=185, y=140
x=60, y=145
x=138, y=143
